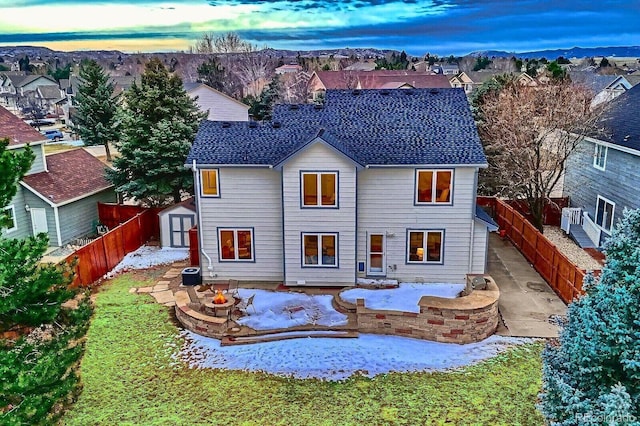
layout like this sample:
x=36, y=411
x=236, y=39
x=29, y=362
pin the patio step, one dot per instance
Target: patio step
x=274, y=337
x=341, y=305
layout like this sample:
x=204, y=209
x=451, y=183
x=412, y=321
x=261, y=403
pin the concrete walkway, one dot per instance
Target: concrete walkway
x=526, y=300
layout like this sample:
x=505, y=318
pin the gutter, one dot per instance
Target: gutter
x=196, y=188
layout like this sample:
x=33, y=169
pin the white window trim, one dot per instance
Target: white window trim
x=13, y=217
x=434, y=185
x=320, y=264
x=613, y=213
x=318, y=175
x=200, y=175
x=424, y=245
x=236, y=251
x=604, y=157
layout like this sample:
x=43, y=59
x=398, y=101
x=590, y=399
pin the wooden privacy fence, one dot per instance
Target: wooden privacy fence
x=112, y=215
x=564, y=277
x=104, y=253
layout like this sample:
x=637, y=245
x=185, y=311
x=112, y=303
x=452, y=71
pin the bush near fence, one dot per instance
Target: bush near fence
x=563, y=276
x=100, y=256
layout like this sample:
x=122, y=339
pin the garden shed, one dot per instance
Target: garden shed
x=175, y=222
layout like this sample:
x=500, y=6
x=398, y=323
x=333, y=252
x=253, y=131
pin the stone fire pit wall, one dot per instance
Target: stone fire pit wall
x=466, y=319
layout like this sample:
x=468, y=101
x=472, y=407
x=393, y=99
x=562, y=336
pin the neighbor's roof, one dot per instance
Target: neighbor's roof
x=620, y=122
x=31, y=78
x=18, y=132
x=372, y=127
x=595, y=82
x=377, y=79
x=50, y=92
x=71, y=175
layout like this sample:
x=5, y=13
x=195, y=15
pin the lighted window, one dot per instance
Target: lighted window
x=433, y=186
x=600, y=157
x=319, y=249
x=319, y=189
x=209, y=181
x=10, y=214
x=425, y=246
x=235, y=244
x=604, y=213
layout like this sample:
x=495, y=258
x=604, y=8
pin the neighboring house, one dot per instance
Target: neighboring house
x=604, y=87
x=175, y=222
x=8, y=92
x=288, y=69
x=30, y=83
x=602, y=176
x=59, y=194
x=321, y=81
x=462, y=81
x=446, y=69
x=362, y=66
x=50, y=99
x=217, y=105
x=372, y=183
x=472, y=79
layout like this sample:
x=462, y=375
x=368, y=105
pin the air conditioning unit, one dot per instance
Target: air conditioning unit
x=191, y=276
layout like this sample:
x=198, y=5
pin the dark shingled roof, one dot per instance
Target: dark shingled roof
x=595, y=82
x=621, y=123
x=372, y=127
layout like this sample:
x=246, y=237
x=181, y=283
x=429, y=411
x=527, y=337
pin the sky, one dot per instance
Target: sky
x=438, y=26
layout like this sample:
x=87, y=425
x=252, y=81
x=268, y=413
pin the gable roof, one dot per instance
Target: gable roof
x=377, y=79
x=372, y=127
x=31, y=78
x=190, y=87
x=595, y=82
x=18, y=132
x=49, y=92
x=620, y=122
x=71, y=175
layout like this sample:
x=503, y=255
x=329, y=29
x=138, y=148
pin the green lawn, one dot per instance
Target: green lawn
x=130, y=377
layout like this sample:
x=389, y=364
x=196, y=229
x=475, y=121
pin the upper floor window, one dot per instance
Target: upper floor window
x=434, y=186
x=209, y=182
x=600, y=157
x=424, y=246
x=604, y=213
x=13, y=223
x=320, y=249
x=236, y=244
x=319, y=189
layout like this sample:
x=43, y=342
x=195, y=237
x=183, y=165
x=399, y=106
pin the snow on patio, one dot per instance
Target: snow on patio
x=338, y=358
x=284, y=310
x=404, y=298
x=147, y=256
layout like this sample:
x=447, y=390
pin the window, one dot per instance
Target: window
x=235, y=244
x=433, y=186
x=604, y=213
x=319, y=250
x=11, y=211
x=319, y=189
x=600, y=157
x=209, y=182
x=425, y=246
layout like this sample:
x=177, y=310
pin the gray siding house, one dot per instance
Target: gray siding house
x=603, y=175
x=373, y=183
x=59, y=194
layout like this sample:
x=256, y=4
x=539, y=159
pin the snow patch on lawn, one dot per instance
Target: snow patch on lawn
x=147, y=256
x=338, y=358
x=284, y=310
x=405, y=298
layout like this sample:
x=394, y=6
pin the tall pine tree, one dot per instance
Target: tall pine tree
x=159, y=122
x=96, y=107
x=593, y=375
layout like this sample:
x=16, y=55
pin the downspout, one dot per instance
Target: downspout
x=198, y=208
x=473, y=230
x=56, y=217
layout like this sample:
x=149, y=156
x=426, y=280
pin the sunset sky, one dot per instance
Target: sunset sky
x=437, y=26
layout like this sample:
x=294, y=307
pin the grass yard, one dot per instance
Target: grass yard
x=130, y=377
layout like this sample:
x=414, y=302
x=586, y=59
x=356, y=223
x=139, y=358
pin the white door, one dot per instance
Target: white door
x=376, y=258
x=39, y=220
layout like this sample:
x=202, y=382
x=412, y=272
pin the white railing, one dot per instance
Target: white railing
x=592, y=230
x=570, y=216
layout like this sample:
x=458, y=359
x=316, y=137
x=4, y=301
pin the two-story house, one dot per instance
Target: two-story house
x=59, y=193
x=372, y=183
x=602, y=175
x=217, y=105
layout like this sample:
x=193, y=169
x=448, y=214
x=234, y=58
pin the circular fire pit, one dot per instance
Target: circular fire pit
x=219, y=306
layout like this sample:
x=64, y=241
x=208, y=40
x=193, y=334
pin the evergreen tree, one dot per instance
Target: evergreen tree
x=593, y=374
x=260, y=108
x=158, y=124
x=96, y=107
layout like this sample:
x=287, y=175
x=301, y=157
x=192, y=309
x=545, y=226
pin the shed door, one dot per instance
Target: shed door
x=179, y=225
x=39, y=220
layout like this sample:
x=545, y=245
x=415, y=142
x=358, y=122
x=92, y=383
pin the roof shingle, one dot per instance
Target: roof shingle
x=372, y=127
x=71, y=174
x=620, y=122
x=17, y=131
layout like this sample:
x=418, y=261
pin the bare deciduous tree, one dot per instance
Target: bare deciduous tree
x=528, y=133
